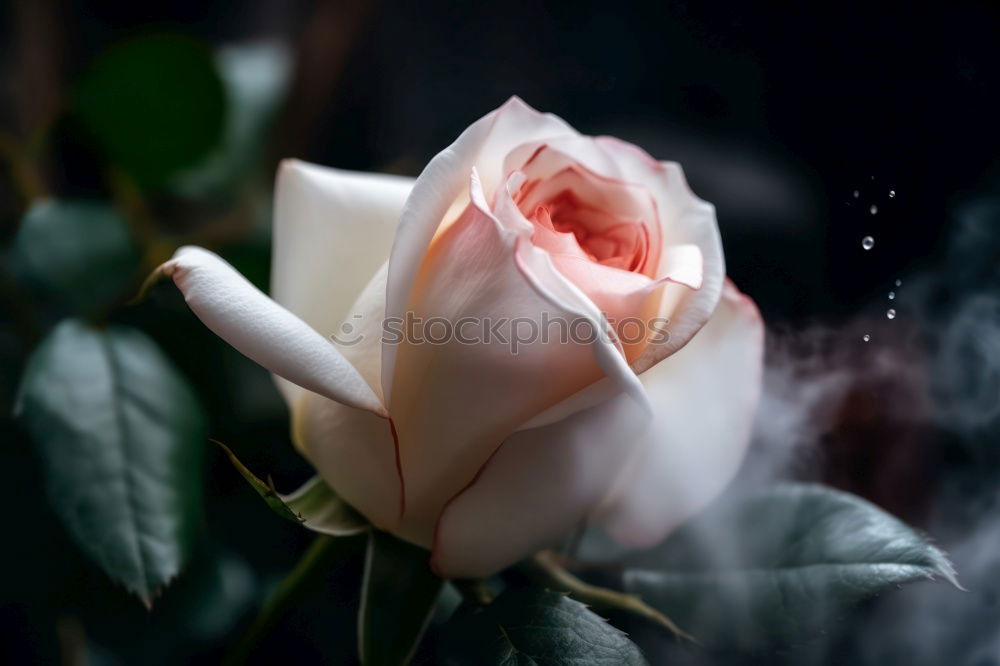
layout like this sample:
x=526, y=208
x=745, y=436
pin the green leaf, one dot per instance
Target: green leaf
x=154, y=104
x=79, y=249
x=120, y=437
x=323, y=511
x=255, y=77
x=778, y=567
x=315, y=505
x=398, y=596
x=536, y=626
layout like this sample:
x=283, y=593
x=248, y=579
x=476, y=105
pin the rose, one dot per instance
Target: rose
x=479, y=454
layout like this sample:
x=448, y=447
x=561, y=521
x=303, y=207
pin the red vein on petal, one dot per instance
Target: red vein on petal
x=435, y=540
x=399, y=471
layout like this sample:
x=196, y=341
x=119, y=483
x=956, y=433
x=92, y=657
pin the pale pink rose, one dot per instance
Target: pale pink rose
x=479, y=454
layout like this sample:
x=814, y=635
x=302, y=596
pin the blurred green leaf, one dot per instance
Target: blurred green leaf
x=197, y=614
x=215, y=593
x=536, y=626
x=776, y=568
x=255, y=77
x=80, y=249
x=315, y=505
x=120, y=436
x=154, y=104
x=398, y=596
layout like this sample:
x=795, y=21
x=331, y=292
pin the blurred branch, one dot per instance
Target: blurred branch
x=35, y=85
x=24, y=171
x=474, y=590
x=324, y=48
x=36, y=78
x=156, y=246
x=72, y=641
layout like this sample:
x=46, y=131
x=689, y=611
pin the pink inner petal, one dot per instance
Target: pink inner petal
x=613, y=223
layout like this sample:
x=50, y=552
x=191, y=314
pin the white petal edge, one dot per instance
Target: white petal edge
x=262, y=330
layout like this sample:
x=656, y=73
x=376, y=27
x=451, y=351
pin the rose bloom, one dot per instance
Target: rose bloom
x=481, y=455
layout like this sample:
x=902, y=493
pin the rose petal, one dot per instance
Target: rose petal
x=332, y=230
x=632, y=302
x=686, y=220
x=704, y=400
x=548, y=156
x=596, y=394
x=359, y=338
x=353, y=452
x=240, y=314
x=454, y=403
x=688, y=249
x=540, y=270
x=441, y=187
x=537, y=487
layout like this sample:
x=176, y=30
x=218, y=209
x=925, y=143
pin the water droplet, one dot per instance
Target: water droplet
x=868, y=242
x=891, y=313
x=866, y=337
x=892, y=194
x=856, y=194
x=899, y=283
x=873, y=209
x=892, y=295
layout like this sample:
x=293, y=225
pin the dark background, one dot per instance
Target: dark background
x=778, y=112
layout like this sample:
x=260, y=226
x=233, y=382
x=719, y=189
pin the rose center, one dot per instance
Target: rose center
x=580, y=215
x=604, y=238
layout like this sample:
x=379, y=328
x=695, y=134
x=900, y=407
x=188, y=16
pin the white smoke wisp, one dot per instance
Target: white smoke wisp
x=815, y=378
x=801, y=395
x=967, y=366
